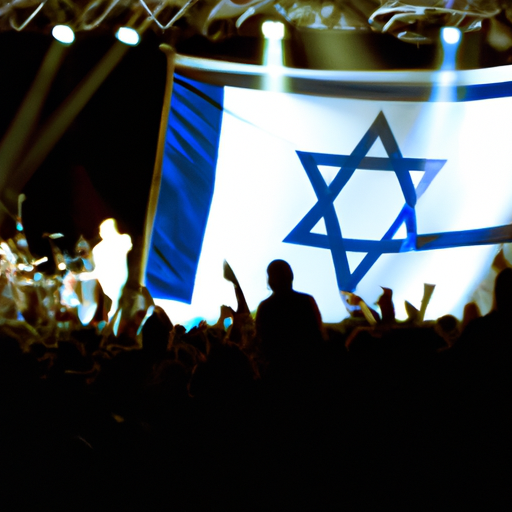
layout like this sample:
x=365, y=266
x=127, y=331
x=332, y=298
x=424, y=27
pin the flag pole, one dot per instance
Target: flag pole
x=157, y=169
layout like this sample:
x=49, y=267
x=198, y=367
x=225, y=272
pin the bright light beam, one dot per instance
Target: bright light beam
x=445, y=90
x=14, y=141
x=273, y=31
x=441, y=120
x=58, y=123
x=450, y=39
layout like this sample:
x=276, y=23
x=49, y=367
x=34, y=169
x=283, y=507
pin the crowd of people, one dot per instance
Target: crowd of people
x=279, y=411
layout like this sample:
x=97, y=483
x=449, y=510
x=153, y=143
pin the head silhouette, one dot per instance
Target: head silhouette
x=280, y=276
x=108, y=229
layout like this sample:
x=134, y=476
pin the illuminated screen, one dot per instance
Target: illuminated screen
x=356, y=193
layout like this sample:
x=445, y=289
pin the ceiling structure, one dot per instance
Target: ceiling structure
x=413, y=21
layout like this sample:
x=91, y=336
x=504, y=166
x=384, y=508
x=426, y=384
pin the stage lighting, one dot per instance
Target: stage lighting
x=450, y=35
x=273, y=30
x=450, y=41
x=44, y=259
x=128, y=36
x=63, y=34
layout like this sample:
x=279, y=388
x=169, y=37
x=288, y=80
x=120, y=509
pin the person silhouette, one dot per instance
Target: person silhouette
x=110, y=262
x=288, y=323
x=490, y=334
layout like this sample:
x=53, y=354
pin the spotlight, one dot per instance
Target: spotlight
x=128, y=36
x=450, y=35
x=63, y=34
x=273, y=55
x=273, y=30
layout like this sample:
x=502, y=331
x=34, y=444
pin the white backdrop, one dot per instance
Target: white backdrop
x=262, y=192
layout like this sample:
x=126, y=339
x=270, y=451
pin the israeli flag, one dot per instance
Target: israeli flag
x=356, y=191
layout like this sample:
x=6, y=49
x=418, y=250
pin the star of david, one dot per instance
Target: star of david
x=326, y=194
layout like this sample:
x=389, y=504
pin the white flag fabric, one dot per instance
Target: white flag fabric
x=356, y=194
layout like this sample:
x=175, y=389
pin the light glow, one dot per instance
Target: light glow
x=273, y=30
x=451, y=35
x=63, y=34
x=273, y=56
x=128, y=36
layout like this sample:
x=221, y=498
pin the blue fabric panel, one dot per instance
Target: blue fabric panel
x=186, y=189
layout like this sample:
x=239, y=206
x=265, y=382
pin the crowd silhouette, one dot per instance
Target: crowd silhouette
x=277, y=412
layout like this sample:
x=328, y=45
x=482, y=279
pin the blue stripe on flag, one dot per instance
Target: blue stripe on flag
x=186, y=189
